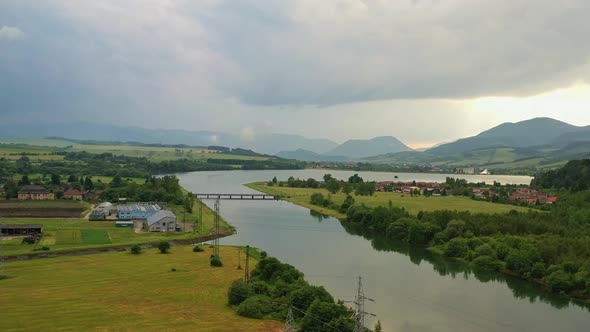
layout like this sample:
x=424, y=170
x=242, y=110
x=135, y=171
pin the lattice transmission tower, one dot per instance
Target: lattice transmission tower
x=359, y=311
x=290, y=322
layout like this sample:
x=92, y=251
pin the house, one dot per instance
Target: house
x=34, y=192
x=136, y=211
x=161, y=221
x=73, y=194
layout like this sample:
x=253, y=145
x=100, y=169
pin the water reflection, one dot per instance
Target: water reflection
x=520, y=288
x=318, y=216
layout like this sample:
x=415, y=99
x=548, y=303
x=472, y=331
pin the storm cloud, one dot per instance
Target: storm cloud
x=251, y=60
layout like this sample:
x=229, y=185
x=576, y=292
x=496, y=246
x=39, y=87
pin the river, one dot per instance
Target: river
x=413, y=291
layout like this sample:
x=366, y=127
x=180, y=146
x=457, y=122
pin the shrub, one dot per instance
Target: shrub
x=487, y=263
x=560, y=281
x=457, y=247
x=255, y=307
x=238, y=292
x=198, y=249
x=44, y=248
x=136, y=250
x=164, y=247
x=485, y=250
x=538, y=270
x=216, y=262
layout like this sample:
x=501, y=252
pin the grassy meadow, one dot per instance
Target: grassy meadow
x=124, y=292
x=42, y=149
x=301, y=196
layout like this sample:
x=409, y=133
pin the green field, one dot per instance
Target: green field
x=124, y=292
x=301, y=196
x=43, y=149
x=72, y=234
x=48, y=204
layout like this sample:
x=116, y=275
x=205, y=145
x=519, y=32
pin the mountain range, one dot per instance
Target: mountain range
x=534, y=132
x=264, y=143
x=534, y=142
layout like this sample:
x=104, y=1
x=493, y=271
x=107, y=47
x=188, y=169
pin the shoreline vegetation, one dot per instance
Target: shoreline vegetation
x=547, y=248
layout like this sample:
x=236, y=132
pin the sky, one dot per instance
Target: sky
x=425, y=71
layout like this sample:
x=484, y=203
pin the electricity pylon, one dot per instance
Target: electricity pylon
x=290, y=322
x=359, y=311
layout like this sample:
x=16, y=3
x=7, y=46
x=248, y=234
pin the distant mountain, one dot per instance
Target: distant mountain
x=356, y=148
x=534, y=132
x=301, y=154
x=275, y=143
x=268, y=143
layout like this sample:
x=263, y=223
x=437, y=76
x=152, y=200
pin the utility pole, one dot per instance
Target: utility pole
x=359, y=311
x=247, y=271
x=216, y=222
x=290, y=322
x=1, y=260
x=200, y=221
x=239, y=258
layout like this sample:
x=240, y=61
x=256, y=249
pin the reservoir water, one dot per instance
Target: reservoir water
x=413, y=290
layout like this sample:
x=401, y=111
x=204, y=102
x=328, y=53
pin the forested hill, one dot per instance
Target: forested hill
x=574, y=176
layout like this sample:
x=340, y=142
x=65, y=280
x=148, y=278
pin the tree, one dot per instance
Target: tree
x=55, y=179
x=274, y=180
x=189, y=203
x=347, y=188
x=457, y=247
x=332, y=186
x=25, y=181
x=116, y=182
x=72, y=178
x=164, y=247
x=355, y=179
x=88, y=185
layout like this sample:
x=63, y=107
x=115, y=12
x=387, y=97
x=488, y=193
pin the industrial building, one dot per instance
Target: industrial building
x=136, y=211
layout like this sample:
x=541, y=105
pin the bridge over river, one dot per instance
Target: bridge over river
x=256, y=197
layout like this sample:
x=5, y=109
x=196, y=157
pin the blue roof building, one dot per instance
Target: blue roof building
x=136, y=211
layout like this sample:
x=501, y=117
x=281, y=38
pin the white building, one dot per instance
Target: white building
x=161, y=221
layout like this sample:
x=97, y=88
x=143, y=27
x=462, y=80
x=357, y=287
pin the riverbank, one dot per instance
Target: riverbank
x=119, y=291
x=302, y=196
x=423, y=234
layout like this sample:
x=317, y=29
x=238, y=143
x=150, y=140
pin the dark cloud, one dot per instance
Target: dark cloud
x=332, y=52
x=230, y=64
